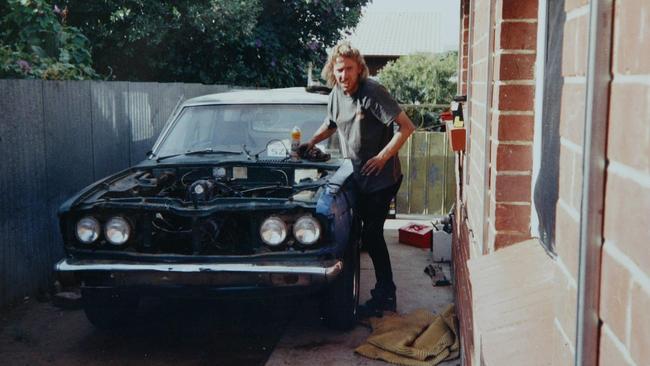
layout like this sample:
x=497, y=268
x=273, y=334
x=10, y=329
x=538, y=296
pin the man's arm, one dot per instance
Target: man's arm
x=376, y=164
x=323, y=132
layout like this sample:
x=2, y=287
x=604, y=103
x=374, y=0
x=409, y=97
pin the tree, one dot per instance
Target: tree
x=421, y=78
x=35, y=42
x=252, y=42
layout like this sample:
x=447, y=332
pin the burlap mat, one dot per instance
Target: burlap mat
x=416, y=339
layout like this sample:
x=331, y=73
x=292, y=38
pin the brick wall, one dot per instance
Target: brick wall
x=464, y=48
x=625, y=287
x=463, y=289
x=574, y=68
x=473, y=182
x=512, y=122
x=625, y=272
x=476, y=121
x=499, y=43
x=502, y=92
x=460, y=243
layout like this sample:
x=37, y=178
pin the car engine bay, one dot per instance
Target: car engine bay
x=206, y=210
x=204, y=184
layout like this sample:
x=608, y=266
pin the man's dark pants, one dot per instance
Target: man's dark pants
x=373, y=209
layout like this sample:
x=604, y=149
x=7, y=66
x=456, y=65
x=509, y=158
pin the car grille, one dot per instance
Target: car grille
x=223, y=233
x=214, y=235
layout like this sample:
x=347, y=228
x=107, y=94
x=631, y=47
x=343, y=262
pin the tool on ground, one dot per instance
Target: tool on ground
x=437, y=275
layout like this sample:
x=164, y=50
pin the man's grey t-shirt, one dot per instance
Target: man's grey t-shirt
x=365, y=123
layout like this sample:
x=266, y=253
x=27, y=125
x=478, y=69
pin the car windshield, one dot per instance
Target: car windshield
x=262, y=128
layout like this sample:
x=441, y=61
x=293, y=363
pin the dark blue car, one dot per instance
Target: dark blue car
x=219, y=208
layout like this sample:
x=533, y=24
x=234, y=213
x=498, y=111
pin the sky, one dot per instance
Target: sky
x=449, y=10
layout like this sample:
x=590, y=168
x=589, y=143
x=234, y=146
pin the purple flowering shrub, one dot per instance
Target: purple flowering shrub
x=36, y=43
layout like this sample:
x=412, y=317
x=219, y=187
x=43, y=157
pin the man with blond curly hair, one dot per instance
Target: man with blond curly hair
x=372, y=128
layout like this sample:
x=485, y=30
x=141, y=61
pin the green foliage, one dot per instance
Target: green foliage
x=36, y=43
x=421, y=78
x=242, y=42
x=424, y=116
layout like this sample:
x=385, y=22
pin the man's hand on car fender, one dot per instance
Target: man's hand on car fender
x=374, y=165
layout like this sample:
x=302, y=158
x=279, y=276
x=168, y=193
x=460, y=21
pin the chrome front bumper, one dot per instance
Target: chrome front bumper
x=225, y=275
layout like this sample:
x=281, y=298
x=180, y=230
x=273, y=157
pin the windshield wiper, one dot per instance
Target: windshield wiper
x=200, y=152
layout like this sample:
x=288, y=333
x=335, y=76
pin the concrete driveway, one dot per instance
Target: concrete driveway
x=208, y=332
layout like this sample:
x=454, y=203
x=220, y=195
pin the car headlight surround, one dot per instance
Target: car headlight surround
x=273, y=231
x=307, y=230
x=88, y=229
x=117, y=230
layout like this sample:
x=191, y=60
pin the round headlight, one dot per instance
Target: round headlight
x=273, y=231
x=306, y=230
x=117, y=230
x=88, y=229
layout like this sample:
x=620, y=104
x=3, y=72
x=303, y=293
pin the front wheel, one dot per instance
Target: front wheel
x=108, y=309
x=339, y=307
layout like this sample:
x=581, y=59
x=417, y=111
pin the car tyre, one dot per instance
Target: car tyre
x=109, y=309
x=339, y=307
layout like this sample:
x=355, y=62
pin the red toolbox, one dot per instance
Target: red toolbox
x=416, y=235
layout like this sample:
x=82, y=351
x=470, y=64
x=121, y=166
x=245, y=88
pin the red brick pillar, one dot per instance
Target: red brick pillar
x=512, y=122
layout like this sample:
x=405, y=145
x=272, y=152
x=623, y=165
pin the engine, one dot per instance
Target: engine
x=196, y=185
x=182, y=209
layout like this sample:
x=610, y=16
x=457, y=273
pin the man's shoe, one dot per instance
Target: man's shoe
x=377, y=304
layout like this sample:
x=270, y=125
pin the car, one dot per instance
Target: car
x=220, y=207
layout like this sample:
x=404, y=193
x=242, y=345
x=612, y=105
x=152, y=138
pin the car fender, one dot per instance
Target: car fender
x=337, y=205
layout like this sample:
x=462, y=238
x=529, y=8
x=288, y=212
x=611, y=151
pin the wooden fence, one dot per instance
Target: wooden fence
x=428, y=167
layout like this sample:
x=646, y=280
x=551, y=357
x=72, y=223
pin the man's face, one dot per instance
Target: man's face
x=346, y=71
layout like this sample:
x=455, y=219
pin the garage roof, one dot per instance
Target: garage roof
x=397, y=34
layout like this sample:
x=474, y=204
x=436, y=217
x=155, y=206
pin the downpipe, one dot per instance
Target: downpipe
x=593, y=183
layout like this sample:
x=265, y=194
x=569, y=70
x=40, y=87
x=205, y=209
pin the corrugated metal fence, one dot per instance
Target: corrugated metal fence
x=56, y=138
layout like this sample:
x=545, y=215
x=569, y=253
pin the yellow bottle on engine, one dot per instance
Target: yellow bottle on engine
x=295, y=143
